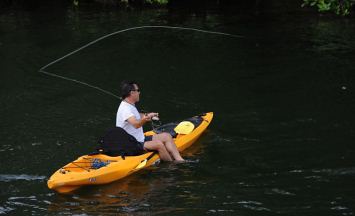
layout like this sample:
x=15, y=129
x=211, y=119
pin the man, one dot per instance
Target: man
x=132, y=121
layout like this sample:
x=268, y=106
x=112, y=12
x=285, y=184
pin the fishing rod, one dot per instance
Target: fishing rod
x=44, y=71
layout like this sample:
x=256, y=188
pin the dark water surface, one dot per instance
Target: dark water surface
x=282, y=141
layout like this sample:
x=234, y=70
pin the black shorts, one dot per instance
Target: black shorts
x=146, y=139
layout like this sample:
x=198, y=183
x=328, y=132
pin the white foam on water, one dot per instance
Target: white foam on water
x=250, y=202
x=5, y=210
x=10, y=177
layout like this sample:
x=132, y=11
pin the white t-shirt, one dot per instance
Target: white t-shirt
x=124, y=112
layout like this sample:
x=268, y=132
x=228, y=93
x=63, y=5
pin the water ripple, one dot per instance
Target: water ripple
x=253, y=205
x=281, y=192
x=5, y=210
x=337, y=172
x=9, y=177
x=220, y=210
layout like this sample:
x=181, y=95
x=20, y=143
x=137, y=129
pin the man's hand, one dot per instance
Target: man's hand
x=144, y=118
x=150, y=116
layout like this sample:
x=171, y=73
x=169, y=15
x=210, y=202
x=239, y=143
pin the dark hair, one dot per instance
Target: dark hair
x=126, y=88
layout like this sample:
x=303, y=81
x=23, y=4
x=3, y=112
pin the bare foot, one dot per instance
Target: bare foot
x=179, y=161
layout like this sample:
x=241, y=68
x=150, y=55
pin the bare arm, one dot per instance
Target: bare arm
x=144, y=118
x=137, y=123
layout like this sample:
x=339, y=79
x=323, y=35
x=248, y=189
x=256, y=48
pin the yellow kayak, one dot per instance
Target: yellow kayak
x=102, y=169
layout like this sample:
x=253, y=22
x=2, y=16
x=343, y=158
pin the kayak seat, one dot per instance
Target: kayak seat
x=167, y=128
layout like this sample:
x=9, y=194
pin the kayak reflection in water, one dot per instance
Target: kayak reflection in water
x=132, y=121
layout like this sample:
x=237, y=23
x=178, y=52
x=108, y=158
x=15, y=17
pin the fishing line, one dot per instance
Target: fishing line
x=80, y=82
x=42, y=70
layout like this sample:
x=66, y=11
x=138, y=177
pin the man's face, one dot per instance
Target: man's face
x=135, y=93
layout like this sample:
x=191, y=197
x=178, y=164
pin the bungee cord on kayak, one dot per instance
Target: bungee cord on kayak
x=42, y=70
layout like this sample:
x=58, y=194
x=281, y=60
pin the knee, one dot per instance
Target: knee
x=166, y=136
x=158, y=144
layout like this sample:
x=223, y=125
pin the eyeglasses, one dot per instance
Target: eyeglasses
x=137, y=90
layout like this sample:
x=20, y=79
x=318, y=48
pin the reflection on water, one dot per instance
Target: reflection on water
x=118, y=197
x=134, y=194
x=328, y=36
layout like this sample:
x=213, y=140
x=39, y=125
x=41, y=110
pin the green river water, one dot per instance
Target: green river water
x=281, y=142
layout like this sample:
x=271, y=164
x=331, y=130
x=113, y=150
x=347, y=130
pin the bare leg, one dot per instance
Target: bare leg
x=169, y=144
x=157, y=145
